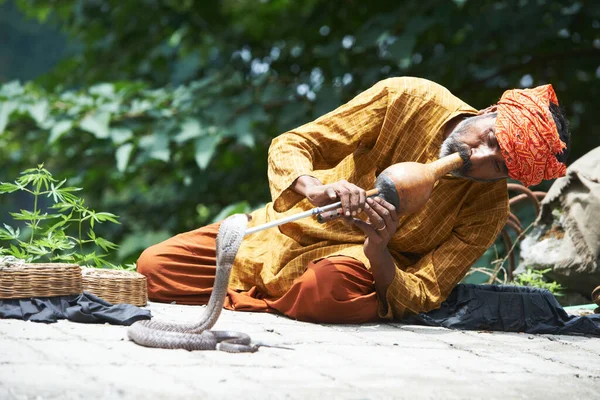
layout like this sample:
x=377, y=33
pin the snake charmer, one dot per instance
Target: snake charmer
x=374, y=264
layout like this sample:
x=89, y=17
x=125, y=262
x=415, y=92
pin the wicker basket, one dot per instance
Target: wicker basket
x=116, y=286
x=20, y=281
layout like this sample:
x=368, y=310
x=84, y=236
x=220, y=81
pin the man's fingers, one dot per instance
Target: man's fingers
x=362, y=198
x=351, y=196
x=354, y=195
x=331, y=193
x=390, y=207
x=388, y=213
x=345, y=198
x=375, y=219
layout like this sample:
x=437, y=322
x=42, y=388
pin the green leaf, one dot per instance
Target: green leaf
x=190, y=129
x=103, y=90
x=9, y=187
x=97, y=123
x=120, y=135
x=9, y=233
x=6, y=109
x=25, y=215
x=104, y=216
x=122, y=155
x=39, y=111
x=204, y=149
x=62, y=206
x=35, y=249
x=126, y=267
x=19, y=253
x=59, y=224
x=39, y=177
x=67, y=196
x=105, y=244
x=65, y=257
x=156, y=146
x=59, y=129
x=13, y=232
x=55, y=192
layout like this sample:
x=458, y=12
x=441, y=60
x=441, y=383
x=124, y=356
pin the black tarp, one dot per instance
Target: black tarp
x=77, y=308
x=506, y=308
x=469, y=307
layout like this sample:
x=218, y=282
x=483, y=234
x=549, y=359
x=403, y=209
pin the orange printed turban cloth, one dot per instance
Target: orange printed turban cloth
x=527, y=135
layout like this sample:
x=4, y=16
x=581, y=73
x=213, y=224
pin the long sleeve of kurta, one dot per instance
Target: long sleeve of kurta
x=424, y=286
x=324, y=143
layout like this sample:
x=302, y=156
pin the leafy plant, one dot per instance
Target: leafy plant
x=48, y=233
x=536, y=278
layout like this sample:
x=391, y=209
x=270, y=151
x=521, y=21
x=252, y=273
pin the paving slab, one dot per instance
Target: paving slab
x=67, y=360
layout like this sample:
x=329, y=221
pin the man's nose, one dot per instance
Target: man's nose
x=481, y=154
x=486, y=155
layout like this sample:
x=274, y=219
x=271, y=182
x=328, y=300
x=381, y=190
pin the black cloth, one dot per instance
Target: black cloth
x=77, y=308
x=506, y=308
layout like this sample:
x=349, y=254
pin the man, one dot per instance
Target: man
x=375, y=264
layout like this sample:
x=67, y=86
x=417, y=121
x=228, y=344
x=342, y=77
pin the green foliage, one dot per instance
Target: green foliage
x=47, y=235
x=145, y=153
x=313, y=55
x=536, y=278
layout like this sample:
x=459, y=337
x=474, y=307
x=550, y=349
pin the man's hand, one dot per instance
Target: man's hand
x=382, y=225
x=352, y=197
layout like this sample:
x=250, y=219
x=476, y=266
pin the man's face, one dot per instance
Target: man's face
x=474, y=138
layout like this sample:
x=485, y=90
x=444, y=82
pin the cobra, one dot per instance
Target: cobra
x=198, y=336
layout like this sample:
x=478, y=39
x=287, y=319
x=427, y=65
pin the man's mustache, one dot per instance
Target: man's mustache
x=452, y=145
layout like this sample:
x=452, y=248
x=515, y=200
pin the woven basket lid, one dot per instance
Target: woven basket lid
x=19, y=280
x=116, y=286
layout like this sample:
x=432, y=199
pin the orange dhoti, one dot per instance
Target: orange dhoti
x=336, y=289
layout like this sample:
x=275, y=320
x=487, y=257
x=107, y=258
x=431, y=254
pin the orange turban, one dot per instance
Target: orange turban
x=527, y=135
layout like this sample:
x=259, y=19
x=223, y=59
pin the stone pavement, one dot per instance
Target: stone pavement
x=68, y=360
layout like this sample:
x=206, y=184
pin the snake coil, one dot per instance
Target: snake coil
x=198, y=336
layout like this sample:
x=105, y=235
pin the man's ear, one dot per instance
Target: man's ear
x=490, y=109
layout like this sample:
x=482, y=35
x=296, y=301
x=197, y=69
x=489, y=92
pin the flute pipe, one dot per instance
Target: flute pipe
x=285, y=220
x=304, y=214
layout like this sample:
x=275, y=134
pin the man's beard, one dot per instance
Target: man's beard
x=453, y=145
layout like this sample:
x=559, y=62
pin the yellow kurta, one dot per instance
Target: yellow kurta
x=398, y=119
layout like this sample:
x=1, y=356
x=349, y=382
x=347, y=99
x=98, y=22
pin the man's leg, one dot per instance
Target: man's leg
x=332, y=290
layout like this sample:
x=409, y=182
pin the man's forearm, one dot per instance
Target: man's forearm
x=383, y=269
x=305, y=182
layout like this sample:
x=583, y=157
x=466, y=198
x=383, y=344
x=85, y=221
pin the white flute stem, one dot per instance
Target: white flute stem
x=277, y=222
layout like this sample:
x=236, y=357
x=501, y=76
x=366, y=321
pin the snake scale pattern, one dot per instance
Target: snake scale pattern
x=198, y=336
